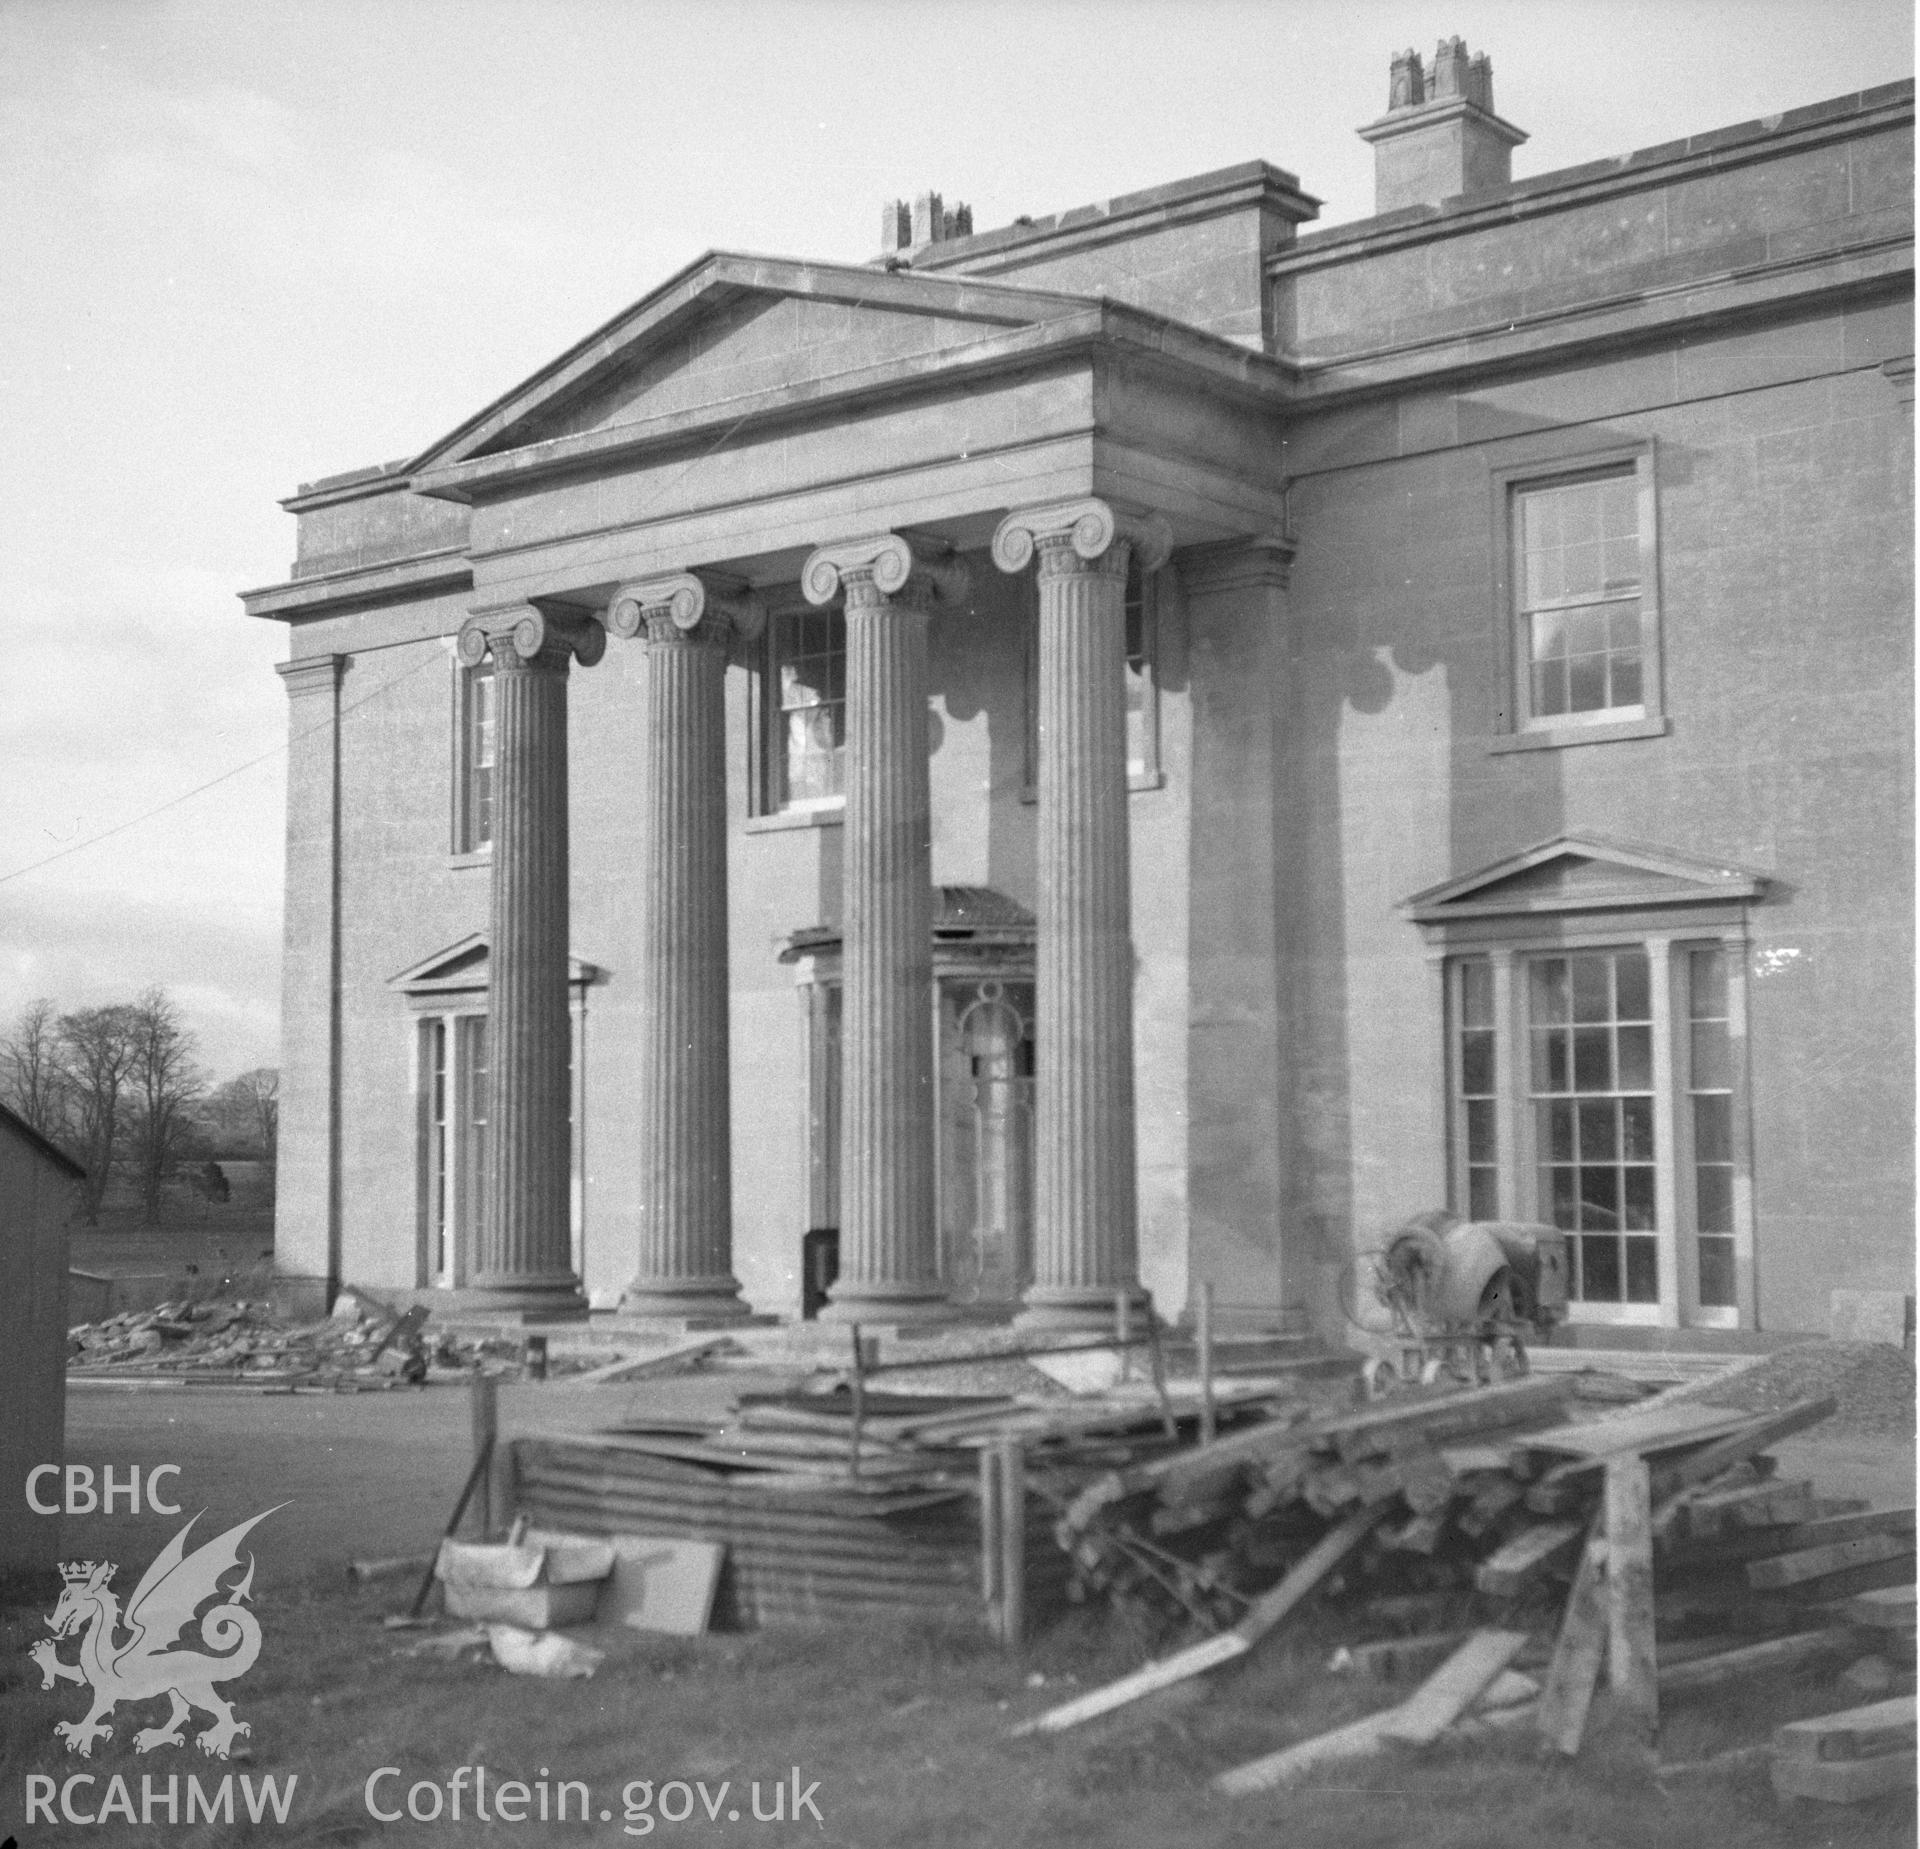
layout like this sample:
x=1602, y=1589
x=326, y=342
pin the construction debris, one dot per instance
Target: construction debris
x=362, y=1347
x=536, y=1585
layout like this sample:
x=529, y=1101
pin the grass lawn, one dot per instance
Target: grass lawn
x=903, y=1735
x=234, y=1235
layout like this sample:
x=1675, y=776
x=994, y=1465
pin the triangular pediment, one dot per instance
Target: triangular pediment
x=461, y=968
x=734, y=328
x=1575, y=873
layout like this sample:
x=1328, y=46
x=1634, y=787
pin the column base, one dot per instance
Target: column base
x=881, y=1303
x=709, y=1300
x=1081, y=1306
x=524, y=1299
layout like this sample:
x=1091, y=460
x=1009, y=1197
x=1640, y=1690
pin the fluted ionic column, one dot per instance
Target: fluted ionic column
x=686, y=1179
x=889, y=1248
x=1086, y=1246
x=523, y=1256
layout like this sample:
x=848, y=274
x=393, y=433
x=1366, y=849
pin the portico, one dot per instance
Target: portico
x=878, y=494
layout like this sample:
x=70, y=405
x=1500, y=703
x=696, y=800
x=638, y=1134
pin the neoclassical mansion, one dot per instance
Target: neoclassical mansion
x=1138, y=749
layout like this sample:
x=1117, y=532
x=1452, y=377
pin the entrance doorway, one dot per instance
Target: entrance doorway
x=984, y=1067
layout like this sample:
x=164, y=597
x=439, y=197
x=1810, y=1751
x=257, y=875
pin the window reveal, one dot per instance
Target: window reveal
x=808, y=749
x=1577, y=575
x=475, y=761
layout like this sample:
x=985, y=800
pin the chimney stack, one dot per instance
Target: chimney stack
x=1440, y=139
x=907, y=225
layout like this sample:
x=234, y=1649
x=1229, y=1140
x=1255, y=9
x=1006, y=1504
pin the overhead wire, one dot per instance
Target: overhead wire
x=287, y=744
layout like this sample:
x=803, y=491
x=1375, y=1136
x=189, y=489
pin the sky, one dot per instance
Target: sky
x=255, y=242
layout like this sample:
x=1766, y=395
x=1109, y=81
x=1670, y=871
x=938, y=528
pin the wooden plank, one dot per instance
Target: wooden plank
x=1353, y=1741
x=1818, y=1562
x=1630, y=1647
x=1754, y=1660
x=1195, y=1660
x=1420, y=1535
x=1703, y=1465
x=1824, y=1530
x=1743, y=1544
x=639, y=1367
x=1853, y=1733
x=1509, y=1570
x=1458, y=1414
x=1507, y=1690
x=1670, y=1511
x=1452, y=1688
x=1754, y=1505
x=1426, y=1482
x=1482, y=1456
x=1849, y=1580
x=1306, y=1573
x=1011, y=1459
x=1843, y=1781
x=1890, y=1609
x=1250, y=1445
x=1582, y=1642
x=1662, y=1429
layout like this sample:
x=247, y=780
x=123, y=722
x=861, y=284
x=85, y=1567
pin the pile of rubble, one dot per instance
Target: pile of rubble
x=362, y=1346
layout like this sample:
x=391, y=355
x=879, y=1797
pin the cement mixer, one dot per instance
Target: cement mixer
x=1461, y=1298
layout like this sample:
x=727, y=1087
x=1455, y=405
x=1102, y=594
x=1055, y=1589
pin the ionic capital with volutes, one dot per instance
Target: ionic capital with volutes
x=523, y=635
x=898, y=568
x=1088, y=528
x=685, y=606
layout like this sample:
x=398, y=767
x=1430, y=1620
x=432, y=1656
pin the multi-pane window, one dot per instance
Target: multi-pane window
x=476, y=1090
x=808, y=712
x=438, y=1167
x=1596, y=1089
x=1590, y=1080
x=1709, y=1056
x=1475, y=1063
x=1580, y=644
x=478, y=726
x=453, y=1124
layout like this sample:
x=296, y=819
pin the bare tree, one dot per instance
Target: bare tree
x=165, y=1081
x=31, y=1077
x=97, y=1050
x=261, y=1090
x=246, y=1110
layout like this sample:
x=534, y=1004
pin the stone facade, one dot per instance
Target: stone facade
x=1155, y=745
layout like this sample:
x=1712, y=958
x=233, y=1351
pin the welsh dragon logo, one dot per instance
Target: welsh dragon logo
x=142, y=1667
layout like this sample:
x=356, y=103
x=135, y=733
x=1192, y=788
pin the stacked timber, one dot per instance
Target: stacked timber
x=843, y=1504
x=1576, y=1536
x=1192, y=1538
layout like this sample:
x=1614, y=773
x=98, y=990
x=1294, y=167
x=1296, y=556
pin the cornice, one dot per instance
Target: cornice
x=334, y=593
x=1572, y=187
x=1400, y=122
x=311, y=674
x=1634, y=317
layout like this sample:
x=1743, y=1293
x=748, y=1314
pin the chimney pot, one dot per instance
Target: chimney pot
x=1440, y=138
